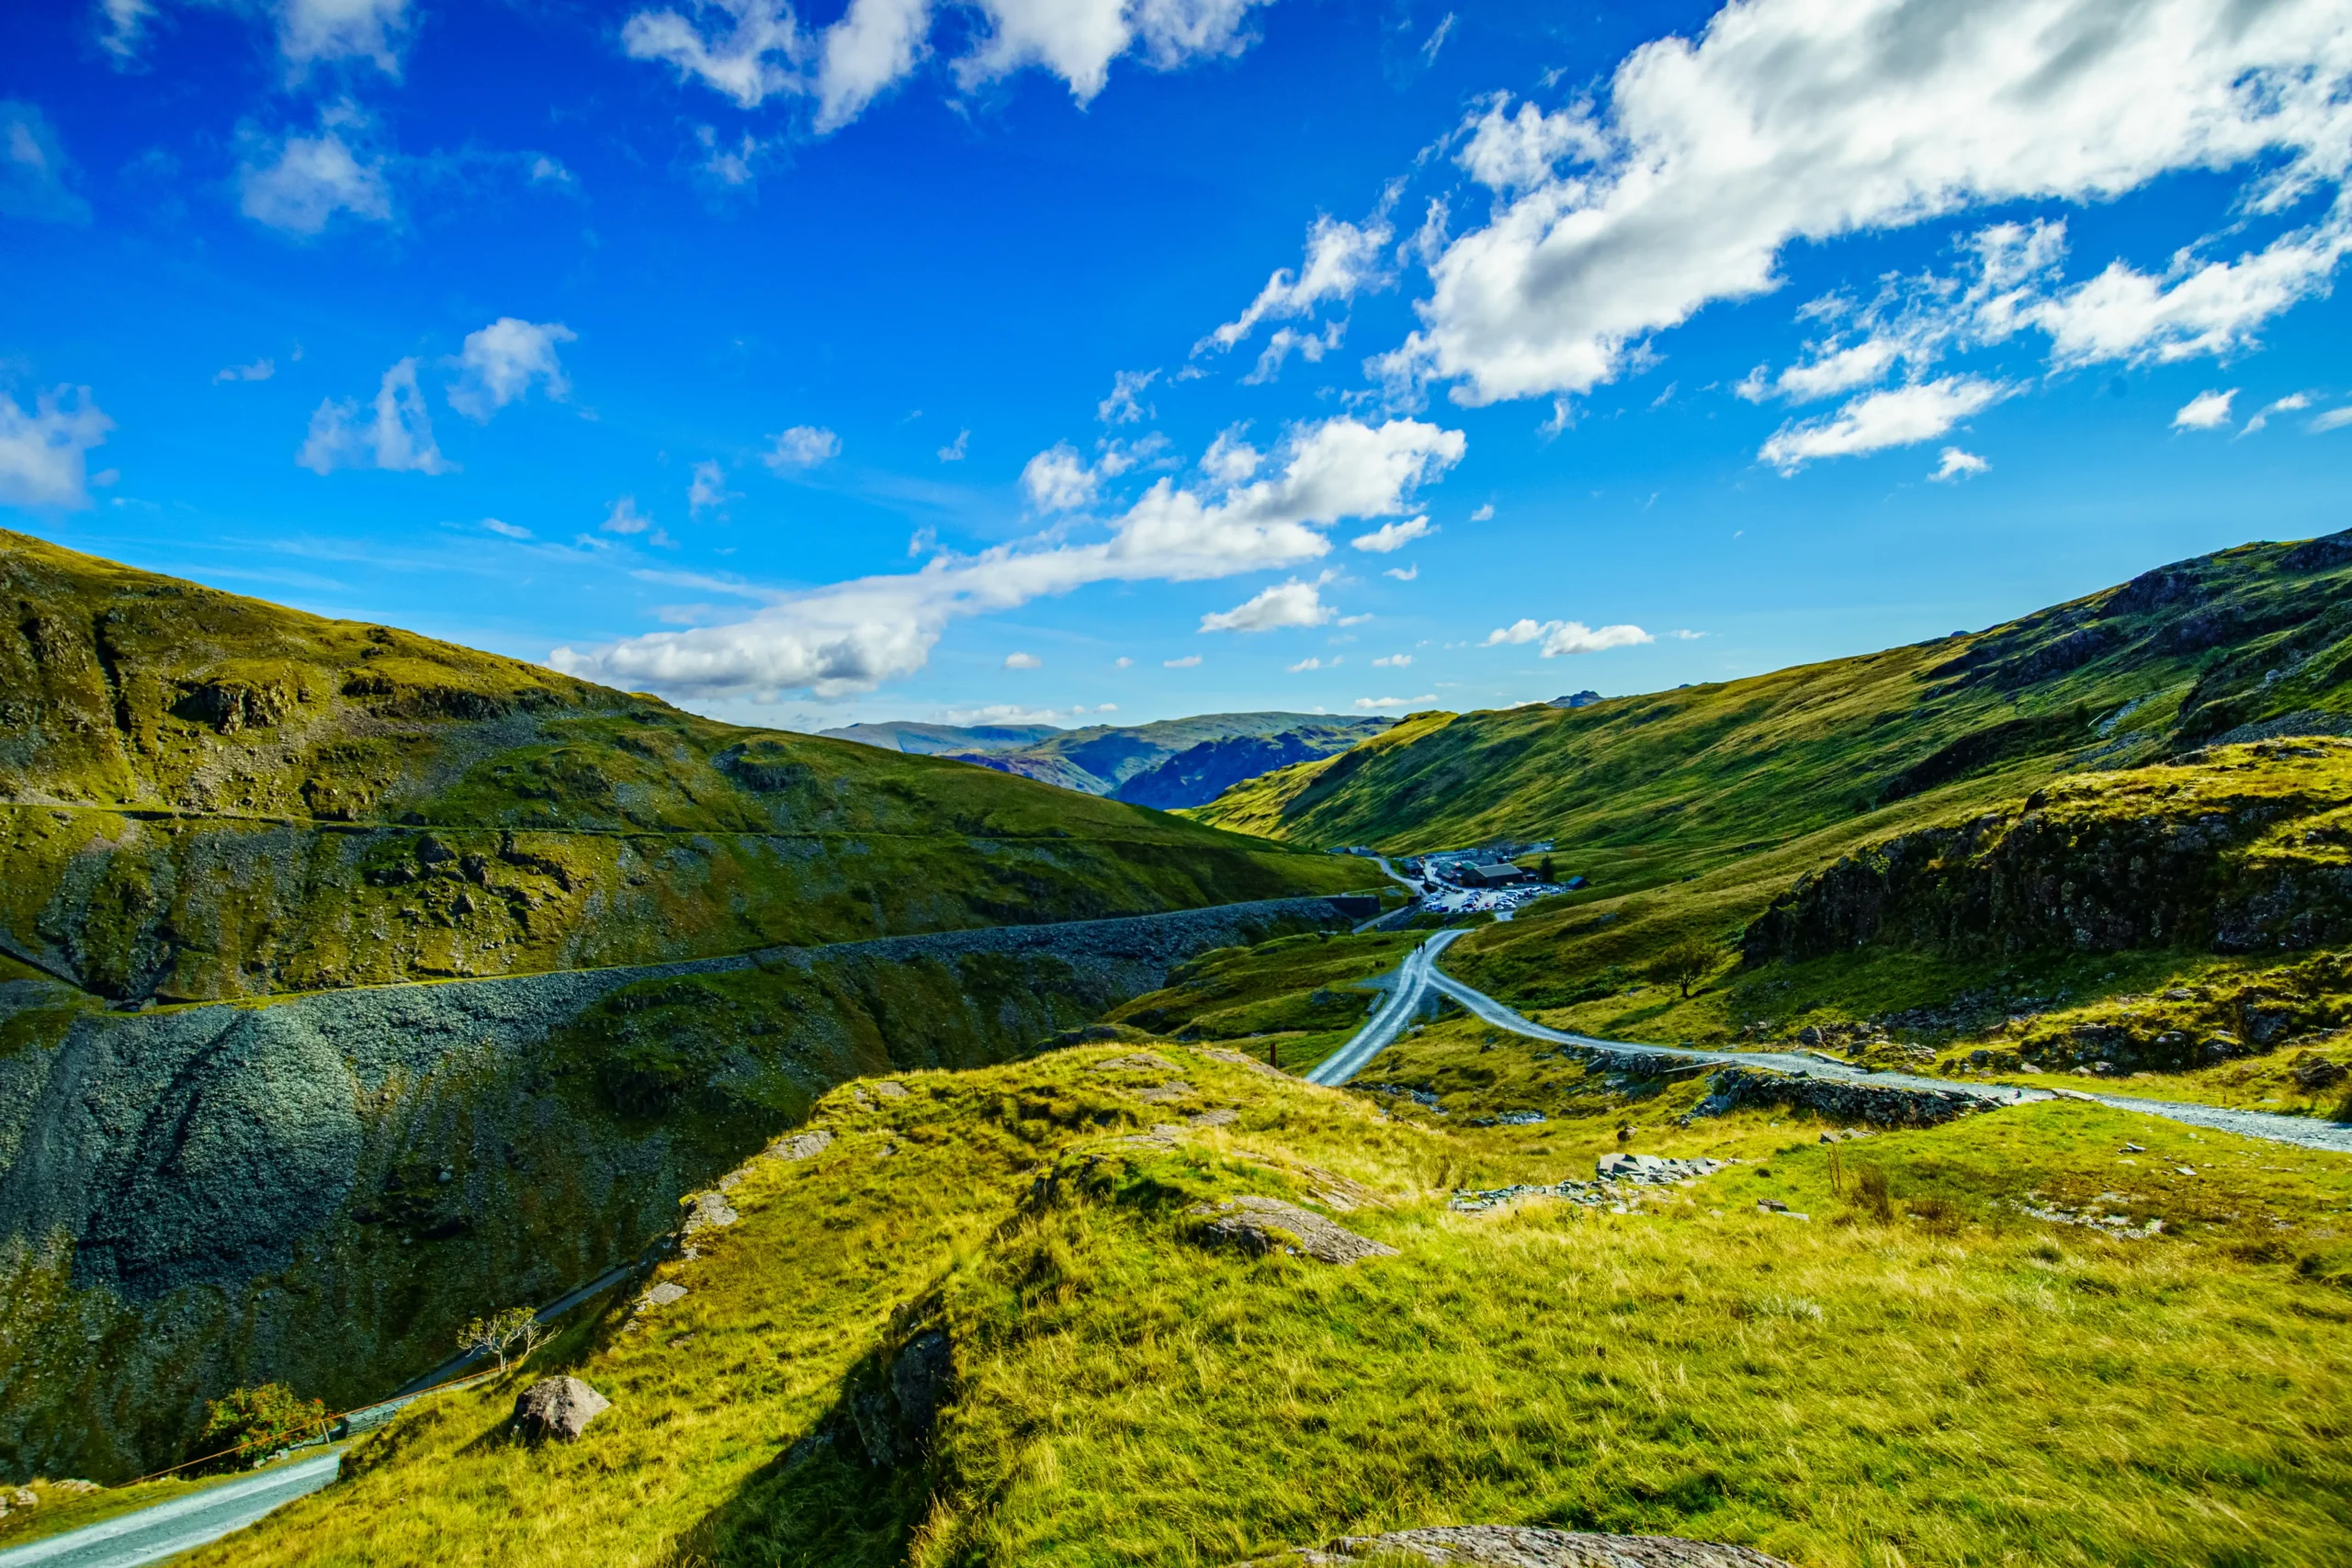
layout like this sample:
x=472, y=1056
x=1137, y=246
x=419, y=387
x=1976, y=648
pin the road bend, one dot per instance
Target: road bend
x=1418, y=975
x=181, y=1524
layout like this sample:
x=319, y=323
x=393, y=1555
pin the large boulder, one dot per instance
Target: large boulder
x=558, y=1407
x=1260, y=1225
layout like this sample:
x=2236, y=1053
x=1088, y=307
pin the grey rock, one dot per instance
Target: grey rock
x=1508, y=1546
x=890, y=1090
x=662, y=1294
x=1260, y=1225
x=1222, y=1116
x=804, y=1146
x=707, y=1211
x=558, y=1407
x=894, y=1416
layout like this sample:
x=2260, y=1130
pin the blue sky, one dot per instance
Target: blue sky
x=1104, y=360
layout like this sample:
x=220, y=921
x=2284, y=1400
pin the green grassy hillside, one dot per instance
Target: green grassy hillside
x=203, y=795
x=985, y=1319
x=1644, y=790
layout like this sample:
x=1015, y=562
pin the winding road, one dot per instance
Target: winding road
x=181, y=1524
x=1418, y=975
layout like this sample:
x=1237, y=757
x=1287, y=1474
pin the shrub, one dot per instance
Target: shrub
x=511, y=1336
x=245, y=1425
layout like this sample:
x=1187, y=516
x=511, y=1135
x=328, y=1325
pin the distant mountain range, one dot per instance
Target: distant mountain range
x=1167, y=763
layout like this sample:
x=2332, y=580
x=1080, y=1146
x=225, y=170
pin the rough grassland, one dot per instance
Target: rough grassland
x=1944, y=1380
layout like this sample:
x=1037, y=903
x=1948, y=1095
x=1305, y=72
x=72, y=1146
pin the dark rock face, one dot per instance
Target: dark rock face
x=1508, y=1546
x=2012, y=883
x=557, y=1408
x=895, y=1414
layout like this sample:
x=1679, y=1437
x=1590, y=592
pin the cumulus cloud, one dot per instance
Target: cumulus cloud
x=1059, y=480
x=1899, y=416
x=300, y=183
x=44, y=454
x=310, y=31
x=1956, y=465
x=1392, y=537
x=2292, y=403
x=2206, y=411
x=259, y=370
x=1309, y=664
x=1292, y=604
x=1368, y=704
x=1484, y=514
x=626, y=520
x=751, y=50
x=395, y=433
x=708, y=488
x=1125, y=405
x=1787, y=121
x=1404, y=574
x=1189, y=662
x=802, y=446
x=1560, y=637
x=1392, y=662
x=850, y=637
x=34, y=169
x=1024, y=661
x=499, y=362
x=1309, y=346
x=1341, y=258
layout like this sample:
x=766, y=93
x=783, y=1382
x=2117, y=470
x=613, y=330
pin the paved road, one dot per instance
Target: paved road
x=181, y=1524
x=1419, y=974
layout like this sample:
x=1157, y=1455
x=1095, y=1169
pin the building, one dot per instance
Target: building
x=1495, y=874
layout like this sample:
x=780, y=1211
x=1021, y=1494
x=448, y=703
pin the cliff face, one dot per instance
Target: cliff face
x=2239, y=850
x=319, y=1190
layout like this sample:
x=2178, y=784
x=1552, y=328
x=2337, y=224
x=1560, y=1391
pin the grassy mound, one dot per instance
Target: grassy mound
x=982, y=1322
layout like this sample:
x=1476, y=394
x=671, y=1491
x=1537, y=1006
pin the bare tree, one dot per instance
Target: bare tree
x=511, y=1336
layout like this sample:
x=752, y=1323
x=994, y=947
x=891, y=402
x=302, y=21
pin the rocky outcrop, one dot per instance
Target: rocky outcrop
x=1840, y=1100
x=2163, y=858
x=896, y=1409
x=1260, y=1225
x=318, y=1189
x=1512, y=1546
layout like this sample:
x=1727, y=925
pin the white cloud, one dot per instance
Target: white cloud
x=2206, y=411
x=802, y=446
x=1121, y=662
x=1404, y=574
x=1341, y=258
x=1368, y=704
x=2334, y=419
x=33, y=168
x=1310, y=347
x=1059, y=480
x=44, y=454
x=506, y=530
x=303, y=182
x=1024, y=661
x=2293, y=403
x=397, y=434
x=259, y=370
x=1789, y=120
x=1392, y=662
x=626, y=520
x=1391, y=537
x=753, y=49
x=851, y=635
x=1956, y=465
x=1291, y=604
x=1230, y=461
x=956, y=450
x=550, y=171
x=121, y=23
x=1189, y=662
x=499, y=362
x=1560, y=637
x=1901, y=416
x=1309, y=664
x=1484, y=514
x=708, y=488
x=1125, y=405
x=310, y=31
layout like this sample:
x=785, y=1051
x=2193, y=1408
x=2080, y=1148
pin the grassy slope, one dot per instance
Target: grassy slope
x=1952, y=1382
x=204, y=795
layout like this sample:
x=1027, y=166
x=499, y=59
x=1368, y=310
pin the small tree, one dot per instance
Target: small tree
x=1544, y=870
x=511, y=1336
x=1682, y=963
x=247, y=1425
